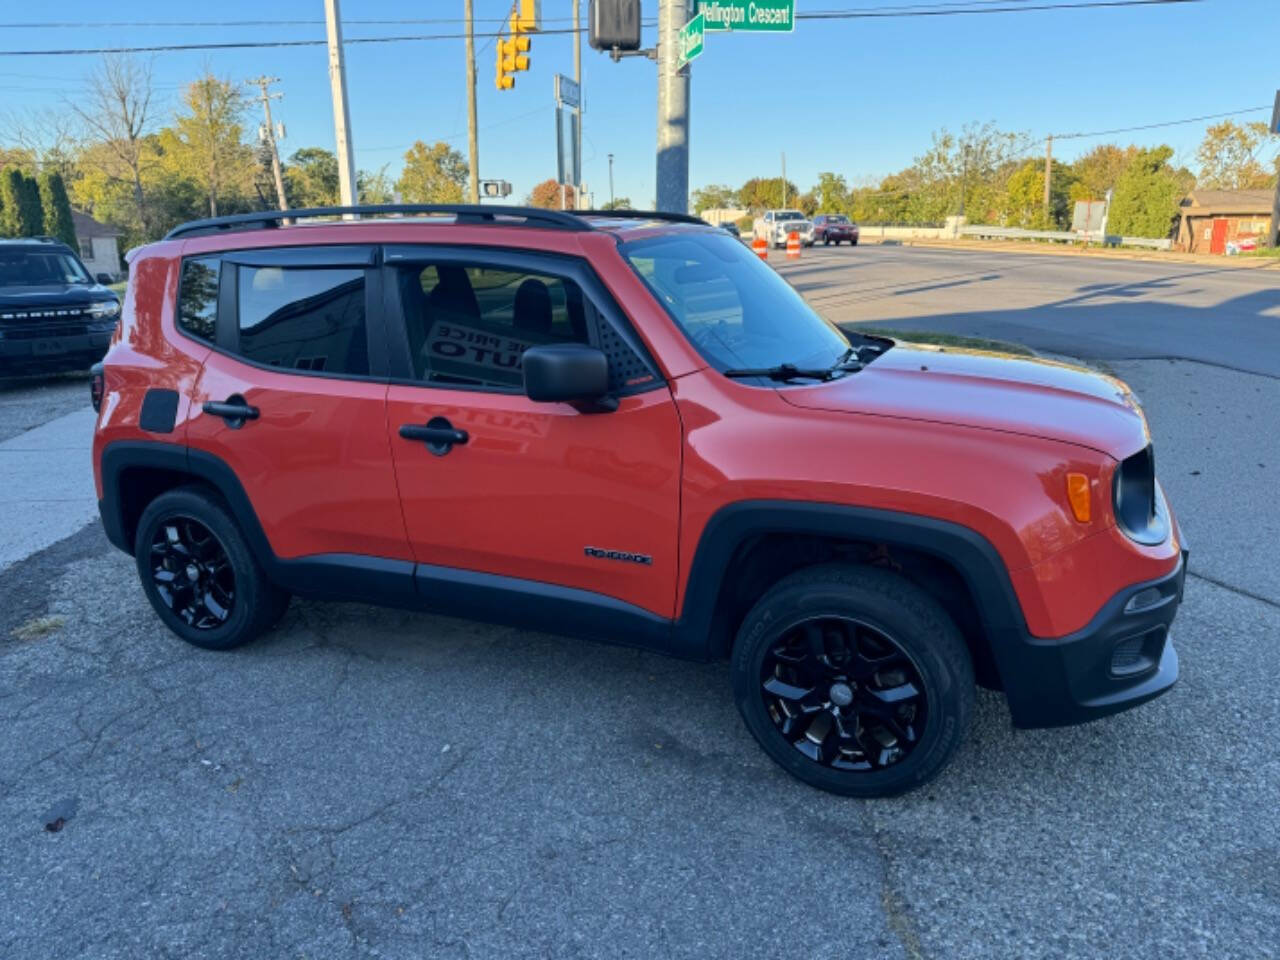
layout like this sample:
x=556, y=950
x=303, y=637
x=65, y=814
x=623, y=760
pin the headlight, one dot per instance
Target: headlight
x=104, y=309
x=1140, y=508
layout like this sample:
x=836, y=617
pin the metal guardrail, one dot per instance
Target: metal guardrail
x=1065, y=236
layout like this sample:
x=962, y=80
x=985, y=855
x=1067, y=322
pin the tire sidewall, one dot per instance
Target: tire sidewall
x=945, y=721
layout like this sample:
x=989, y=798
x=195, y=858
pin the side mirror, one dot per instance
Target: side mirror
x=104, y=279
x=568, y=373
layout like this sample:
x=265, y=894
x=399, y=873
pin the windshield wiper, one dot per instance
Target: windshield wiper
x=789, y=371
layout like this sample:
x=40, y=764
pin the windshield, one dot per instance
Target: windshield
x=790, y=215
x=33, y=268
x=733, y=307
x=837, y=218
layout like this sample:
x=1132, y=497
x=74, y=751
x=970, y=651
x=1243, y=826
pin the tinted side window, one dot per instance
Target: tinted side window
x=198, y=297
x=304, y=318
x=470, y=325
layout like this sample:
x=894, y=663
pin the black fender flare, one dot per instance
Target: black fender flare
x=971, y=554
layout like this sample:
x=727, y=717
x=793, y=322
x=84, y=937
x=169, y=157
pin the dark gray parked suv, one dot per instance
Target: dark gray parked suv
x=53, y=314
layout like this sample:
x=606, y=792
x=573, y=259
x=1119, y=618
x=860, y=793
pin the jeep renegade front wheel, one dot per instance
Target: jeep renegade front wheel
x=199, y=574
x=854, y=680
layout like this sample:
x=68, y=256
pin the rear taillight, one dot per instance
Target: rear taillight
x=97, y=386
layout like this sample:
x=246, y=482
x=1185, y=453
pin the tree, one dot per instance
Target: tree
x=622, y=203
x=1098, y=171
x=547, y=195
x=31, y=210
x=10, y=202
x=1024, y=197
x=57, y=208
x=766, y=193
x=206, y=141
x=374, y=187
x=435, y=174
x=831, y=195
x=1227, y=157
x=311, y=178
x=716, y=196
x=1147, y=195
x=116, y=108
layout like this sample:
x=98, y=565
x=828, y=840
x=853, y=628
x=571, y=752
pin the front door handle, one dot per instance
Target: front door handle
x=234, y=410
x=437, y=433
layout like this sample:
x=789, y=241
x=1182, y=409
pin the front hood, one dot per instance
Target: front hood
x=990, y=391
x=54, y=294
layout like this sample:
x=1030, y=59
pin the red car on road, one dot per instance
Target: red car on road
x=625, y=426
x=829, y=228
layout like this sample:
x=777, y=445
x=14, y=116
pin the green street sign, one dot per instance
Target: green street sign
x=749, y=16
x=691, y=35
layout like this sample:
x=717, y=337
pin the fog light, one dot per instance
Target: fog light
x=1143, y=599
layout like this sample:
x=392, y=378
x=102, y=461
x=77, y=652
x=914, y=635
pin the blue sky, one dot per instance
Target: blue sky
x=860, y=97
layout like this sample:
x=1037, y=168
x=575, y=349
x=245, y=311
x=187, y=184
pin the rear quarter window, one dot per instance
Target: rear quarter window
x=198, y=297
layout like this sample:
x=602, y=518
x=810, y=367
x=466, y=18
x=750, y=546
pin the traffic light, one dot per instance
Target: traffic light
x=513, y=50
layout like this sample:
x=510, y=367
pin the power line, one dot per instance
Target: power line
x=1165, y=123
x=920, y=10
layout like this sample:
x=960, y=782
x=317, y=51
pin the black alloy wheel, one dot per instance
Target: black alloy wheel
x=192, y=573
x=199, y=573
x=844, y=694
x=853, y=679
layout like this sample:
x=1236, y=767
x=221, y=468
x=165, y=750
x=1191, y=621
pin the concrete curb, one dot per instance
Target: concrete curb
x=1061, y=250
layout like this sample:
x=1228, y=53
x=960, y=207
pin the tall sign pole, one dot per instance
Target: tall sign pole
x=341, y=120
x=473, y=144
x=1274, y=238
x=673, y=110
x=577, y=78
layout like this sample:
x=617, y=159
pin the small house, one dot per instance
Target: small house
x=1212, y=220
x=99, y=248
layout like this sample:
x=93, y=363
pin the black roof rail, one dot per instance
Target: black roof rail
x=644, y=215
x=464, y=213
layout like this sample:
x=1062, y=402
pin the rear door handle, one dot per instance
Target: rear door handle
x=437, y=433
x=233, y=410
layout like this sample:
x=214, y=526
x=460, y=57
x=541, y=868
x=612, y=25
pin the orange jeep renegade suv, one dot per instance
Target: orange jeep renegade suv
x=624, y=426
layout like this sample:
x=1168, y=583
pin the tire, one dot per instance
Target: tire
x=878, y=638
x=202, y=579
x=853, y=243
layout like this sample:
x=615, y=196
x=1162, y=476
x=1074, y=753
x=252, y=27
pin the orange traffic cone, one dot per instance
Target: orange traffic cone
x=793, y=246
x=760, y=247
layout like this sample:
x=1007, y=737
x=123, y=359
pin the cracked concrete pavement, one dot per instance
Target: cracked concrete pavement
x=372, y=783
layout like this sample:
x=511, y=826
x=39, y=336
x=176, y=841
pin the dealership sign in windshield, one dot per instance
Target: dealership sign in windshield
x=479, y=352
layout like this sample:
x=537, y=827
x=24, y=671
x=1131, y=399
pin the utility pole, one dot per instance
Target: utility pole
x=341, y=121
x=784, y=179
x=1048, y=170
x=473, y=144
x=611, y=180
x=577, y=79
x=264, y=82
x=673, y=110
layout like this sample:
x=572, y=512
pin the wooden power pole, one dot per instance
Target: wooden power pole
x=1048, y=170
x=473, y=143
x=264, y=84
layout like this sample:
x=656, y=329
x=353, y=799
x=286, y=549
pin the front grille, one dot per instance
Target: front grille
x=38, y=323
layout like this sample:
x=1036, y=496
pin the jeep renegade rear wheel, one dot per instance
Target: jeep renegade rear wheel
x=199, y=574
x=854, y=680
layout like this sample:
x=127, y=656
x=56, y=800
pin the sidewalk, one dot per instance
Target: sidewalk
x=46, y=485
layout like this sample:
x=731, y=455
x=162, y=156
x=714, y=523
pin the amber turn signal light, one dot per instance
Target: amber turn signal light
x=1078, y=496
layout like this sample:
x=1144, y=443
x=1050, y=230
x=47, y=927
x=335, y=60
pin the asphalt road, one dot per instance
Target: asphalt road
x=368, y=783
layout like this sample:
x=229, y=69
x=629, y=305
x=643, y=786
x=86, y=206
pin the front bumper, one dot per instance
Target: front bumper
x=1122, y=658
x=60, y=352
